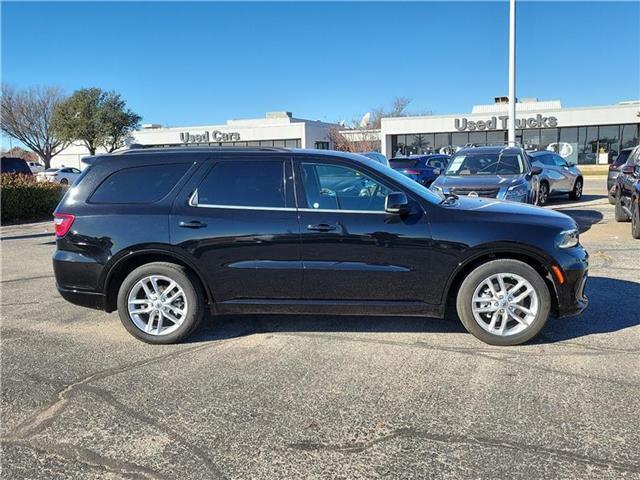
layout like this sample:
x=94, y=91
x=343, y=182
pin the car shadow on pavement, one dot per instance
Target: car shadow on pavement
x=613, y=306
x=558, y=200
x=601, y=317
x=584, y=218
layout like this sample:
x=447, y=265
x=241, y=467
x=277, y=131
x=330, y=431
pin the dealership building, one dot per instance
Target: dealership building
x=276, y=129
x=583, y=135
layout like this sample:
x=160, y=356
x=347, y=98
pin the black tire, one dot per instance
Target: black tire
x=635, y=220
x=476, y=278
x=543, y=194
x=619, y=214
x=64, y=181
x=576, y=193
x=186, y=281
x=611, y=197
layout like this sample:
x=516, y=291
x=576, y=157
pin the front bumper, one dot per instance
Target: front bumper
x=571, y=296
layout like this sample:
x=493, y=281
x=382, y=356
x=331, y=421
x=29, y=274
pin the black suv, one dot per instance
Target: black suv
x=165, y=235
x=626, y=196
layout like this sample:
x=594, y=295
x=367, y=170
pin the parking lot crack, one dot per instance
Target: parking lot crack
x=474, y=441
x=90, y=458
x=46, y=415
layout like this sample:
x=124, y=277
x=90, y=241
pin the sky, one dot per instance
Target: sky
x=187, y=64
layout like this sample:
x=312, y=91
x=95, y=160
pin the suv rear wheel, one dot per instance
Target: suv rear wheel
x=160, y=303
x=503, y=302
x=576, y=193
x=619, y=213
x=635, y=219
x=543, y=194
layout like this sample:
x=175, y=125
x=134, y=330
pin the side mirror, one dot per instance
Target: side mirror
x=396, y=202
x=536, y=170
x=628, y=169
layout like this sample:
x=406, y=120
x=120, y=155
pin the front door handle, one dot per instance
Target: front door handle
x=192, y=224
x=322, y=227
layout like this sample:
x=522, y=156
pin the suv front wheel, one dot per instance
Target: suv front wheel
x=160, y=303
x=503, y=302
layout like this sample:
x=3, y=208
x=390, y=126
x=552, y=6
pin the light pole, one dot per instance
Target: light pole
x=512, y=73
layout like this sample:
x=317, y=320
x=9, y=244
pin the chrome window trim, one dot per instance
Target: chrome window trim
x=331, y=210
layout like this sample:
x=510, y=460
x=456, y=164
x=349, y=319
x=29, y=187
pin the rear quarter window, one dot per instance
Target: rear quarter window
x=146, y=184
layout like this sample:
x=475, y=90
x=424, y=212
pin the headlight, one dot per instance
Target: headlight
x=517, y=191
x=568, y=238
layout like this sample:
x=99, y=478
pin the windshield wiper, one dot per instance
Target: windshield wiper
x=449, y=198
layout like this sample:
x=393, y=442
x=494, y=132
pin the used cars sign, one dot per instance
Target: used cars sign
x=205, y=137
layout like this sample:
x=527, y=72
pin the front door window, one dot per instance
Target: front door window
x=334, y=187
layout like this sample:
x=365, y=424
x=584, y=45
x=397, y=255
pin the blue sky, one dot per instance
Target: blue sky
x=202, y=63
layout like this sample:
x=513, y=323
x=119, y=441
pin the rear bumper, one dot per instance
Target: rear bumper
x=83, y=298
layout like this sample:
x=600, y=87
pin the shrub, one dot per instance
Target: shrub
x=25, y=199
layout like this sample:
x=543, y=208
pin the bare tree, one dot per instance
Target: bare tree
x=355, y=140
x=18, y=152
x=27, y=116
x=359, y=137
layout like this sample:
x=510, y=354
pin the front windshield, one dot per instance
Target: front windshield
x=479, y=163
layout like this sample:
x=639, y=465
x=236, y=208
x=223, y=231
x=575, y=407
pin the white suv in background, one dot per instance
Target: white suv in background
x=64, y=175
x=35, y=167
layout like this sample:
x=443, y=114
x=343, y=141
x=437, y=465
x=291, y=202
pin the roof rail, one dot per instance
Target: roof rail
x=138, y=148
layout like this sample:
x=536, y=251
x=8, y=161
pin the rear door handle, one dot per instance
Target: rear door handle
x=322, y=227
x=192, y=224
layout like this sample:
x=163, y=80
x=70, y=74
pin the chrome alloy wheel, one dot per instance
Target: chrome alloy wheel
x=157, y=305
x=505, y=304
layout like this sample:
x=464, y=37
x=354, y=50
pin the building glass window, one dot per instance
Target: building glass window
x=531, y=138
x=567, y=146
x=629, y=136
x=478, y=138
x=419, y=143
x=322, y=145
x=548, y=136
x=398, y=146
x=587, y=145
x=441, y=140
x=609, y=142
x=496, y=137
x=459, y=139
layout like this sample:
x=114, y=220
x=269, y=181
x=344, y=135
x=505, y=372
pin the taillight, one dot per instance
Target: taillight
x=63, y=223
x=409, y=171
x=613, y=166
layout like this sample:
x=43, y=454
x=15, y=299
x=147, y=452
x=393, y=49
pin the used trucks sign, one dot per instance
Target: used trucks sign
x=500, y=123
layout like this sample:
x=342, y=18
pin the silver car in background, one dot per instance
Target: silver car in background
x=557, y=178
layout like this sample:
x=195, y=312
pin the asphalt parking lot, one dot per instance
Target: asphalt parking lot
x=269, y=397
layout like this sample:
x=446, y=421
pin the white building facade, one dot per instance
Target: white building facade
x=276, y=129
x=585, y=135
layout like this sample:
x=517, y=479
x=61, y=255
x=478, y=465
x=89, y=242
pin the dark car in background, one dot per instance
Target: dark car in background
x=424, y=169
x=308, y=232
x=14, y=165
x=498, y=172
x=378, y=157
x=614, y=171
x=626, y=188
x=557, y=178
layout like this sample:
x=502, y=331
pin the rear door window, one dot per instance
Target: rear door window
x=244, y=183
x=146, y=184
